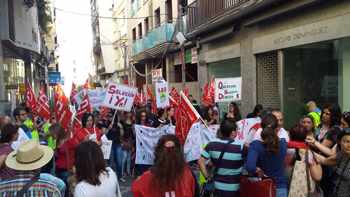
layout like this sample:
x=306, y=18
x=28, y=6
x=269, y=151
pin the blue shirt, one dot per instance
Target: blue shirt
x=272, y=164
x=230, y=168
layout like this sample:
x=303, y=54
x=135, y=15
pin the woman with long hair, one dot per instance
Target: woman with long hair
x=266, y=156
x=341, y=163
x=233, y=112
x=330, y=117
x=93, y=176
x=306, y=171
x=9, y=134
x=169, y=176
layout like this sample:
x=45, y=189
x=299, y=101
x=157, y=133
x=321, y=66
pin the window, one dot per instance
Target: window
x=169, y=11
x=178, y=73
x=134, y=34
x=140, y=30
x=191, y=72
x=146, y=25
x=157, y=17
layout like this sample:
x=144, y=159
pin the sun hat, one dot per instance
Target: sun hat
x=29, y=156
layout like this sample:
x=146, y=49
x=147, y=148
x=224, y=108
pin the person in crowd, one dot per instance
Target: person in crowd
x=169, y=176
x=233, y=112
x=330, y=117
x=94, y=178
x=28, y=181
x=306, y=171
x=9, y=134
x=211, y=116
x=20, y=115
x=89, y=131
x=50, y=136
x=64, y=152
x=142, y=118
x=341, y=163
x=256, y=112
x=171, y=115
x=4, y=120
x=115, y=134
x=127, y=143
x=266, y=157
x=326, y=135
x=345, y=120
x=226, y=178
x=314, y=112
x=281, y=132
x=161, y=118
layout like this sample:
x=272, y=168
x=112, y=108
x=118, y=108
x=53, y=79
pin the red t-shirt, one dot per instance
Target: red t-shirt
x=64, y=155
x=81, y=133
x=142, y=187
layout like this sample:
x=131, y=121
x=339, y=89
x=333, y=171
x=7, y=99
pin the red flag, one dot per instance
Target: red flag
x=186, y=91
x=43, y=108
x=174, y=97
x=208, y=97
x=30, y=97
x=104, y=111
x=86, y=85
x=140, y=99
x=186, y=115
x=153, y=100
x=84, y=107
x=61, y=108
x=73, y=93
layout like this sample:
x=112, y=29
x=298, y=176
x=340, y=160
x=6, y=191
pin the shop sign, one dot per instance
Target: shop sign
x=228, y=89
x=157, y=74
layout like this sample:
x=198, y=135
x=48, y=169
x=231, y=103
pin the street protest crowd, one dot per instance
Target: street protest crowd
x=183, y=149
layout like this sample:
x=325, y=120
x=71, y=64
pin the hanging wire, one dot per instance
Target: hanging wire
x=105, y=17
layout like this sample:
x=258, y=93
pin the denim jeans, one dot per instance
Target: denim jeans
x=126, y=162
x=118, y=159
x=281, y=192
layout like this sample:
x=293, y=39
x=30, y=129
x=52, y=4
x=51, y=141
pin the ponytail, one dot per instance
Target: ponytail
x=271, y=140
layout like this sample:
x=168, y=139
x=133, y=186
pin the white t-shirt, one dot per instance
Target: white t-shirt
x=109, y=186
x=22, y=137
x=282, y=133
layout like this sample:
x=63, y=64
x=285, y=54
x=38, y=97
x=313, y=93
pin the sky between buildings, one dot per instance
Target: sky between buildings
x=74, y=36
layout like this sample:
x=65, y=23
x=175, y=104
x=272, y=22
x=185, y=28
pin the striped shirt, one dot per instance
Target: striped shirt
x=229, y=171
x=41, y=187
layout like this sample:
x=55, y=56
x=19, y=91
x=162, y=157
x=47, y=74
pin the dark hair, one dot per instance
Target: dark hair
x=138, y=115
x=312, y=121
x=269, y=135
x=89, y=162
x=336, y=114
x=7, y=133
x=227, y=126
x=60, y=132
x=257, y=109
x=17, y=111
x=85, y=118
x=169, y=164
x=160, y=112
x=346, y=117
x=297, y=133
x=236, y=111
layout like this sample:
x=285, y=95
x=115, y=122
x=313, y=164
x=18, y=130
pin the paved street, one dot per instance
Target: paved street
x=125, y=187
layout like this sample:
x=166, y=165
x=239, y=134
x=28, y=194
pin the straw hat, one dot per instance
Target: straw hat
x=29, y=156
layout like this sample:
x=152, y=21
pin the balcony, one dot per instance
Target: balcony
x=153, y=42
x=204, y=11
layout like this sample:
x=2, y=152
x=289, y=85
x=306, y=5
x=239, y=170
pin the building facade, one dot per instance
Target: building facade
x=23, y=53
x=155, y=44
x=287, y=52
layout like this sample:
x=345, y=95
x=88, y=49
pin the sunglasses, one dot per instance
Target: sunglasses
x=23, y=114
